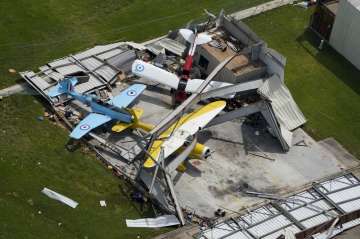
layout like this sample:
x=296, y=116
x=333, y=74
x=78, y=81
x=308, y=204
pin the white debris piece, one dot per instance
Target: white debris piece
x=103, y=203
x=59, y=197
x=162, y=221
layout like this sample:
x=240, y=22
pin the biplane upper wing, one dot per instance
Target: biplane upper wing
x=90, y=122
x=127, y=96
x=175, y=136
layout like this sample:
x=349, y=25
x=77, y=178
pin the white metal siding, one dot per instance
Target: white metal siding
x=345, y=35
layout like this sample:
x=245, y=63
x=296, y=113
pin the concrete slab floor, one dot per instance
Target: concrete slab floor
x=220, y=181
x=353, y=233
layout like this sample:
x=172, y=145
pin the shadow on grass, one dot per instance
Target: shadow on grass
x=332, y=60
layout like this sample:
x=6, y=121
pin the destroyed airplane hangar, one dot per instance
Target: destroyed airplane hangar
x=260, y=123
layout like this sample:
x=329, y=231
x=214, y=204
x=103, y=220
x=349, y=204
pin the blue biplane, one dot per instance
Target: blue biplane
x=102, y=112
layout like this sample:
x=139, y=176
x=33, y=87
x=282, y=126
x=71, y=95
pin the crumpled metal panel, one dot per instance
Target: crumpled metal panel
x=285, y=108
x=308, y=207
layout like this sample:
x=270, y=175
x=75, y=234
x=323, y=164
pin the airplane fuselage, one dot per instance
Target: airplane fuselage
x=102, y=108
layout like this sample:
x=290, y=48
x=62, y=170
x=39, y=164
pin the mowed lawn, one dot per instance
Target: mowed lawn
x=324, y=84
x=32, y=153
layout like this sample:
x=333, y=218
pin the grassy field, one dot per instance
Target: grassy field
x=32, y=153
x=324, y=84
x=34, y=32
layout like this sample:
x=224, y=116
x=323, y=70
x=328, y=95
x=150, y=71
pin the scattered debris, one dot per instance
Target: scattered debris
x=306, y=4
x=102, y=203
x=220, y=213
x=162, y=221
x=301, y=143
x=12, y=71
x=59, y=197
x=31, y=202
x=40, y=118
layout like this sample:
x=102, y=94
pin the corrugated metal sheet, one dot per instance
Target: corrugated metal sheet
x=38, y=81
x=286, y=110
x=166, y=43
x=309, y=208
x=355, y=3
x=123, y=60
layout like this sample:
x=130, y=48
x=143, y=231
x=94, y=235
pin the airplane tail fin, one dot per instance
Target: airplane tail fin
x=63, y=87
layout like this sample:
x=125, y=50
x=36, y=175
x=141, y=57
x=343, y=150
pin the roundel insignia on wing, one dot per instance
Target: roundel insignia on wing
x=139, y=67
x=85, y=127
x=131, y=93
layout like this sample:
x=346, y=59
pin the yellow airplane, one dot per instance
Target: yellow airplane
x=173, y=138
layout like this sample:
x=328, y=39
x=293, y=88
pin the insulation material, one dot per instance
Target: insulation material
x=286, y=110
x=162, y=221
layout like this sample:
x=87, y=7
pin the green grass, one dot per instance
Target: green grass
x=32, y=153
x=324, y=84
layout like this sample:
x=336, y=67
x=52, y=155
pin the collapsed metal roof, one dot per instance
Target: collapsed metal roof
x=314, y=206
x=101, y=63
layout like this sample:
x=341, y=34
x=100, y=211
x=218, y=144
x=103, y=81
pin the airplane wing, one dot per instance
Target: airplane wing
x=89, y=123
x=127, y=96
x=175, y=136
x=153, y=73
x=194, y=84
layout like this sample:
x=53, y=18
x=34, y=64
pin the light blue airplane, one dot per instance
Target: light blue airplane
x=102, y=112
